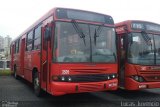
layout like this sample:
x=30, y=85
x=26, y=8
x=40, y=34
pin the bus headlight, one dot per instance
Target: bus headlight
x=138, y=78
x=66, y=79
x=108, y=77
x=62, y=78
x=113, y=76
x=69, y=79
x=141, y=79
x=135, y=78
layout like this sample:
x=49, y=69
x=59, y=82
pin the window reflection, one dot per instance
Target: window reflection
x=143, y=52
x=71, y=47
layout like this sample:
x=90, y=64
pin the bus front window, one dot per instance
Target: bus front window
x=77, y=43
x=142, y=52
x=157, y=48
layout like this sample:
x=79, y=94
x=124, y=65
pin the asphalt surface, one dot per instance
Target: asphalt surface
x=19, y=93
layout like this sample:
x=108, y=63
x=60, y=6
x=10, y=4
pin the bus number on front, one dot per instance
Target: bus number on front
x=64, y=72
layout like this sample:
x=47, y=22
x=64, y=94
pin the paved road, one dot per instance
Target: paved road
x=20, y=93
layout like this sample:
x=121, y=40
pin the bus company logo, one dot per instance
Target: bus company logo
x=65, y=72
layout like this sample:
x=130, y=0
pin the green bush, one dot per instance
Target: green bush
x=5, y=72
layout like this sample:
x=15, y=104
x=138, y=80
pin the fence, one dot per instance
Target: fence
x=4, y=64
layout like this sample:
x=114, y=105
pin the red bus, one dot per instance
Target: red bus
x=138, y=54
x=67, y=51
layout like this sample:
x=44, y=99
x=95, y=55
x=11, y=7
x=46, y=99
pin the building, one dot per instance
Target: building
x=7, y=42
x=1, y=44
x=5, y=47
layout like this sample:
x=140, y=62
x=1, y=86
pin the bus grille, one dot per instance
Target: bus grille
x=151, y=76
x=92, y=78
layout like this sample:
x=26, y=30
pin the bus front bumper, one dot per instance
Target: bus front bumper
x=61, y=88
x=131, y=84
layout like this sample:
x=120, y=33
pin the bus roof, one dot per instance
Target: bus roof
x=138, y=25
x=47, y=15
x=126, y=22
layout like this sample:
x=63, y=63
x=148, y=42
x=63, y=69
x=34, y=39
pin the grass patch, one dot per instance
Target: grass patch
x=5, y=72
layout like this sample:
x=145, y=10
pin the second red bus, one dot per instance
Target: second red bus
x=138, y=54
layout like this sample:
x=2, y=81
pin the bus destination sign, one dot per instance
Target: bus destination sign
x=83, y=15
x=145, y=26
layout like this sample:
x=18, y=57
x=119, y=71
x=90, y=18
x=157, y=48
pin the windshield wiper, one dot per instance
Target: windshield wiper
x=95, y=37
x=97, y=33
x=114, y=56
x=79, y=31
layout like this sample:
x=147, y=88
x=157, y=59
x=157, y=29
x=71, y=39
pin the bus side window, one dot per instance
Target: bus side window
x=29, y=43
x=47, y=37
x=16, y=46
x=37, y=38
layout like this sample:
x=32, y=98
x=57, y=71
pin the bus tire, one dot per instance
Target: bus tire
x=36, y=85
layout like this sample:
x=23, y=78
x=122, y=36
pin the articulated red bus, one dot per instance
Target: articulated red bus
x=138, y=54
x=67, y=51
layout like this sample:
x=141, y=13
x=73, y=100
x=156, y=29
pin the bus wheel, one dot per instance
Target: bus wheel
x=36, y=84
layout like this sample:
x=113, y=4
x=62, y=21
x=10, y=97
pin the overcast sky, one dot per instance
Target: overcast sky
x=18, y=15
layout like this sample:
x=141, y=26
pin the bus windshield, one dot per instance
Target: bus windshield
x=141, y=51
x=79, y=42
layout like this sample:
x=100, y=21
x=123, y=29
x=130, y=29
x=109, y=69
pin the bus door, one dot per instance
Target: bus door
x=122, y=59
x=22, y=50
x=45, y=56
